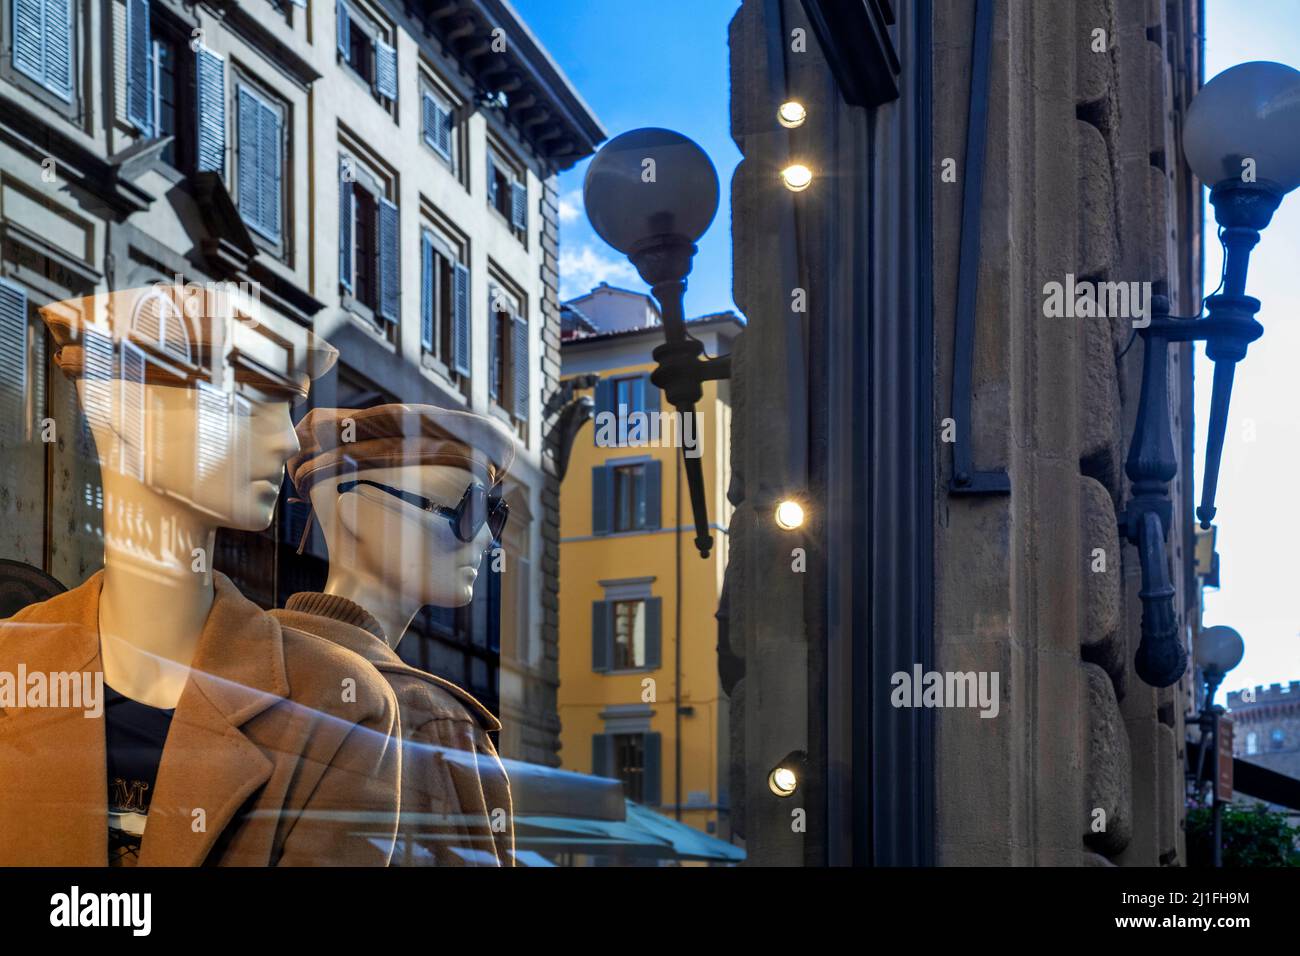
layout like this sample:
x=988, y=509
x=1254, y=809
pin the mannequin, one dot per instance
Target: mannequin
x=191, y=433
x=365, y=473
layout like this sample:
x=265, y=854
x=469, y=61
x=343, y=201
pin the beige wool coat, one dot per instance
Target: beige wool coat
x=267, y=762
x=455, y=804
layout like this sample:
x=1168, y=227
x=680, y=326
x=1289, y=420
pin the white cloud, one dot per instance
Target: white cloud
x=570, y=203
x=583, y=268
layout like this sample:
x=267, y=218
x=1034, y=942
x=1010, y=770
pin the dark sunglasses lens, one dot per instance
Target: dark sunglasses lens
x=472, y=512
x=498, y=512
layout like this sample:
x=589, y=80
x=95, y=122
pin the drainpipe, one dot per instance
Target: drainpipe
x=677, y=650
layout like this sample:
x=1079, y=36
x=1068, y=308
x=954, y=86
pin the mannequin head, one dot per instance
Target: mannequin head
x=394, y=545
x=218, y=454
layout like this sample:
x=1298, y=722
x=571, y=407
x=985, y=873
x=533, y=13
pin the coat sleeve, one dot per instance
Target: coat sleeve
x=350, y=818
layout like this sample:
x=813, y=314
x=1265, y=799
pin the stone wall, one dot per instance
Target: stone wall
x=1084, y=177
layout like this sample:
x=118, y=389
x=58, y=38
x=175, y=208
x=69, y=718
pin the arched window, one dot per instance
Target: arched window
x=159, y=323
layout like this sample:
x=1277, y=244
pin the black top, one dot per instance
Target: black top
x=134, y=735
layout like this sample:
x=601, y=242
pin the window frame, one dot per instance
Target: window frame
x=71, y=108
x=276, y=246
x=376, y=188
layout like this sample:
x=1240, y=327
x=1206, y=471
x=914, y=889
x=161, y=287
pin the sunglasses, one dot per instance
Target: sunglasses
x=476, y=508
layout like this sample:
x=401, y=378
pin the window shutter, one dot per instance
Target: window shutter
x=426, y=292
x=13, y=362
x=29, y=38
x=601, y=503
x=649, y=394
x=139, y=66
x=210, y=68
x=519, y=366
x=444, y=133
x=602, y=755
x=650, y=770
x=429, y=119
x=460, y=344
x=604, y=403
x=652, y=494
x=491, y=180
x=343, y=30
x=519, y=206
x=653, y=632
x=601, y=633
x=388, y=261
x=270, y=167
x=386, y=69
x=131, y=410
x=58, y=48
x=494, y=321
x=246, y=159
x=345, y=226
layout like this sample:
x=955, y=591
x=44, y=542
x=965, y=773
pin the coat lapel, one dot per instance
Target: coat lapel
x=209, y=767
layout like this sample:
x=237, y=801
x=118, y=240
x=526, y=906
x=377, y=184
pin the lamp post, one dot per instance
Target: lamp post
x=1218, y=650
x=1240, y=138
x=651, y=193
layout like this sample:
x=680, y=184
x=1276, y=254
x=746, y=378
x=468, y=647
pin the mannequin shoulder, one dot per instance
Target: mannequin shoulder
x=325, y=675
x=426, y=698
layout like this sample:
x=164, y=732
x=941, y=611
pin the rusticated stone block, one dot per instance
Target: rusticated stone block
x=1098, y=245
x=1108, y=787
x=1101, y=581
x=1100, y=446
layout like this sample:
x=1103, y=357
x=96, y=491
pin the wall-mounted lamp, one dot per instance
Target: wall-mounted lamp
x=651, y=193
x=792, y=114
x=787, y=776
x=789, y=515
x=797, y=177
x=1240, y=137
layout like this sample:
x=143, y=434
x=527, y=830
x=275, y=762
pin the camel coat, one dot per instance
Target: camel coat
x=456, y=806
x=265, y=763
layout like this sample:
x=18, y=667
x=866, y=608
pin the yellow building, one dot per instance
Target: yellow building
x=639, y=695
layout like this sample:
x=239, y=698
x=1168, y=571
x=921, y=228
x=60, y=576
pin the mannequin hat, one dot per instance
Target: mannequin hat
x=337, y=441
x=186, y=334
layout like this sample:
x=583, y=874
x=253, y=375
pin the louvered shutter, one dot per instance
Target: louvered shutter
x=600, y=635
x=29, y=38
x=491, y=180
x=131, y=410
x=248, y=182
x=13, y=363
x=444, y=132
x=345, y=226
x=653, y=494
x=139, y=66
x=58, y=48
x=270, y=170
x=343, y=32
x=388, y=261
x=437, y=126
x=653, y=632
x=650, y=770
x=604, y=405
x=386, y=69
x=97, y=379
x=426, y=292
x=429, y=119
x=519, y=366
x=602, y=755
x=460, y=328
x=493, y=333
x=602, y=486
x=519, y=205
x=211, y=72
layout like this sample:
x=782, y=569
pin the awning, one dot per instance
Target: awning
x=643, y=835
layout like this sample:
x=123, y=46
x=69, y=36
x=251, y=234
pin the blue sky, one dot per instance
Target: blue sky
x=1258, y=521
x=644, y=64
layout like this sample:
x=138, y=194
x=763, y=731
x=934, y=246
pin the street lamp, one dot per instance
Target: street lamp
x=1240, y=138
x=651, y=193
x=1218, y=650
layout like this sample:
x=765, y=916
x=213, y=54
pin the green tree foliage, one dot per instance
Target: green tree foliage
x=1252, y=836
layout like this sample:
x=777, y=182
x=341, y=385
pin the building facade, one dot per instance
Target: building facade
x=380, y=173
x=640, y=698
x=959, y=449
x=1266, y=726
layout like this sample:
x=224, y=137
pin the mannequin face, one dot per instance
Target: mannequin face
x=220, y=455
x=409, y=551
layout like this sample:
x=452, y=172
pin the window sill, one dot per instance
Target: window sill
x=624, y=671
x=443, y=376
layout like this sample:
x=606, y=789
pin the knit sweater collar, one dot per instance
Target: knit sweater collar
x=336, y=607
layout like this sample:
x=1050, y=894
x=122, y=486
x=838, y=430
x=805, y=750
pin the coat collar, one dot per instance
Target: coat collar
x=58, y=816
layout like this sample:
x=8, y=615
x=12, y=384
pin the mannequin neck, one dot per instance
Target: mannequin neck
x=157, y=590
x=393, y=610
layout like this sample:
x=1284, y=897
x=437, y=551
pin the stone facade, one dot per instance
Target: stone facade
x=1083, y=764
x=1266, y=726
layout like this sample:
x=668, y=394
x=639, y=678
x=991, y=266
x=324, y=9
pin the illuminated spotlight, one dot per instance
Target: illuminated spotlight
x=787, y=775
x=791, y=114
x=796, y=177
x=789, y=514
